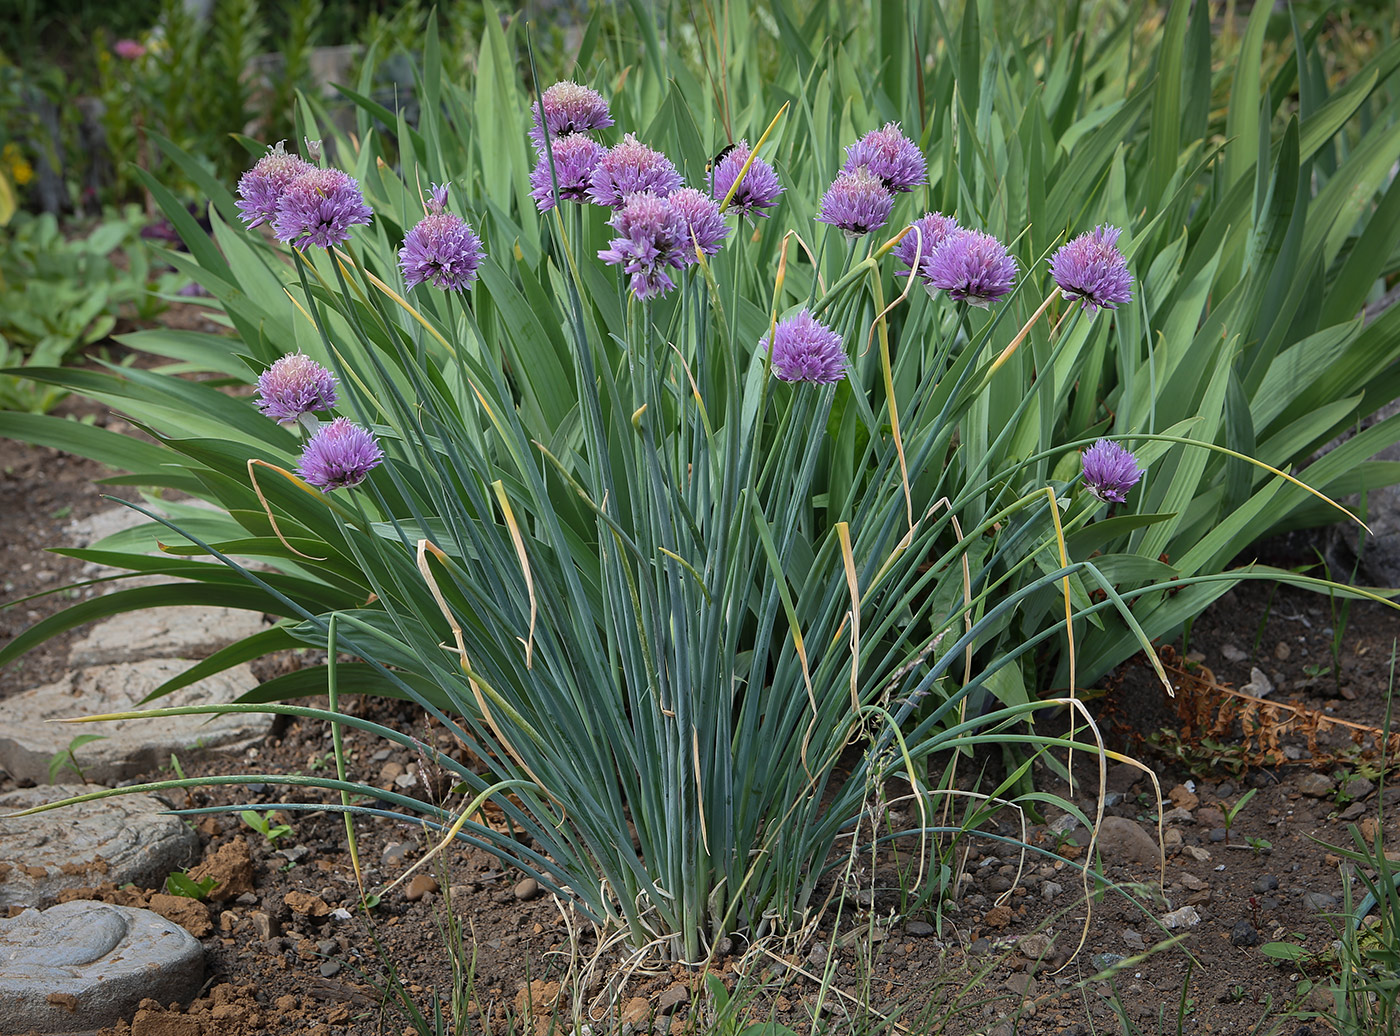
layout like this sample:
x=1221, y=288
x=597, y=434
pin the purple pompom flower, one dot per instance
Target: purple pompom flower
x=575, y=158
x=1090, y=270
x=318, y=208
x=856, y=203
x=890, y=156
x=705, y=224
x=971, y=267
x=295, y=385
x=628, y=168
x=926, y=233
x=1110, y=471
x=339, y=455
x=260, y=188
x=570, y=108
x=442, y=249
x=804, y=349
x=651, y=237
x=758, y=190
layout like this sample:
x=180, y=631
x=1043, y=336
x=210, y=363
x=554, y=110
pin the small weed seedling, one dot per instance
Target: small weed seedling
x=1234, y=811
x=265, y=824
x=179, y=883
x=64, y=759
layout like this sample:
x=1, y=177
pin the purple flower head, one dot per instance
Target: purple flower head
x=1110, y=471
x=630, y=167
x=1090, y=270
x=339, y=455
x=575, y=158
x=437, y=198
x=926, y=233
x=758, y=190
x=295, y=385
x=318, y=208
x=857, y=203
x=570, y=108
x=129, y=50
x=442, y=249
x=705, y=226
x=889, y=155
x=971, y=267
x=804, y=349
x=652, y=236
x=260, y=188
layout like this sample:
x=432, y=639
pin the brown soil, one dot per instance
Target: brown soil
x=290, y=951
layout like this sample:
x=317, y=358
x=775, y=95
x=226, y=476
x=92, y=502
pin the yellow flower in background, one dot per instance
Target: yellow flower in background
x=18, y=167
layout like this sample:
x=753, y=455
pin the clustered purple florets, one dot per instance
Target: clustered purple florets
x=925, y=234
x=890, y=156
x=442, y=250
x=569, y=108
x=318, y=208
x=758, y=190
x=705, y=226
x=293, y=386
x=856, y=203
x=971, y=267
x=260, y=188
x=1110, y=470
x=575, y=158
x=652, y=238
x=629, y=168
x=661, y=224
x=340, y=455
x=805, y=349
x=1091, y=271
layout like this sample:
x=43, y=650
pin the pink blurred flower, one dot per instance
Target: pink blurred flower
x=129, y=50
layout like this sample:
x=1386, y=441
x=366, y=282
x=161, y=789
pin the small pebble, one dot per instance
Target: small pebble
x=526, y=889
x=330, y=968
x=1357, y=788
x=1319, y=901
x=1217, y=834
x=918, y=929
x=1316, y=785
x=1267, y=883
x=420, y=885
x=1352, y=812
x=1243, y=934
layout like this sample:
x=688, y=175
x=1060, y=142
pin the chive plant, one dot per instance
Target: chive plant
x=668, y=475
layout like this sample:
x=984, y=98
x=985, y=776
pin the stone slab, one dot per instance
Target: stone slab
x=29, y=740
x=122, y=839
x=177, y=632
x=79, y=966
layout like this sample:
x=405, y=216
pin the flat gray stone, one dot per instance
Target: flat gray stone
x=28, y=740
x=178, y=632
x=122, y=839
x=79, y=966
